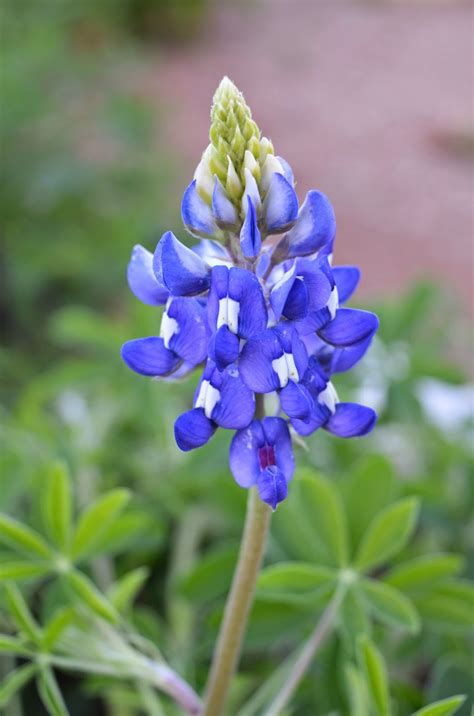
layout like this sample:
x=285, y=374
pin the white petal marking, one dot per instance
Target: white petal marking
x=329, y=397
x=169, y=327
x=207, y=398
x=285, y=368
x=228, y=314
x=333, y=302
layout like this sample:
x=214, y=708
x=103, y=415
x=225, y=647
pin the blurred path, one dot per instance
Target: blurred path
x=363, y=99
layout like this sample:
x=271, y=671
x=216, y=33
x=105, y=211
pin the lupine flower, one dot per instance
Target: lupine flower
x=256, y=301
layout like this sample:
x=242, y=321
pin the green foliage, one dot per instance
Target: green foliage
x=116, y=549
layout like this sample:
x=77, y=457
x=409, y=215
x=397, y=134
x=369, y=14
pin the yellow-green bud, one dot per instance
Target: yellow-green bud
x=233, y=184
x=252, y=165
x=233, y=130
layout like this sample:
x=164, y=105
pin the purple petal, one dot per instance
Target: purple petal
x=351, y=420
x=211, y=252
x=350, y=326
x=314, y=228
x=245, y=288
x=148, y=356
x=287, y=171
x=236, y=404
x=280, y=207
x=223, y=209
x=184, y=272
x=343, y=359
x=255, y=362
x=191, y=340
x=272, y=486
x=277, y=434
x=196, y=214
x=142, y=280
x=193, y=429
x=347, y=279
x=281, y=290
x=224, y=348
x=250, y=239
x=243, y=454
x=296, y=401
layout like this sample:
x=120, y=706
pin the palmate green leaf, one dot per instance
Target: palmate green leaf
x=95, y=520
x=449, y=606
x=373, y=666
x=211, y=576
x=424, y=572
x=54, y=629
x=17, y=571
x=353, y=617
x=312, y=527
x=22, y=538
x=124, y=591
x=356, y=690
x=50, y=694
x=57, y=505
x=446, y=707
x=387, y=534
x=13, y=645
x=368, y=490
x=390, y=605
x=297, y=583
x=88, y=594
x=14, y=681
x=21, y=614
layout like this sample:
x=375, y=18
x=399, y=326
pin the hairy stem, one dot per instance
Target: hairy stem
x=239, y=600
x=303, y=662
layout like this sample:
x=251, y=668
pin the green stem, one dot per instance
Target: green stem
x=239, y=600
x=303, y=662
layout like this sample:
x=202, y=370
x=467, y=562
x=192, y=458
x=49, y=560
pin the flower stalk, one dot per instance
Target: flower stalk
x=239, y=601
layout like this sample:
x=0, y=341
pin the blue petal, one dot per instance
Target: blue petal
x=351, y=420
x=223, y=209
x=350, y=326
x=148, y=356
x=243, y=454
x=296, y=401
x=280, y=291
x=236, y=405
x=196, y=214
x=280, y=207
x=314, y=228
x=287, y=171
x=224, y=348
x=184, y=272
x=193, y=429
x=245, y=288
x=318, y=419
x=272, y=486
x=192, y=339
x=255, y=362
x=142, y=279
x=318, y=280
x=347, y=279
x=343, y=359
x=277, y=434
x=211, y=251
x=250, y=239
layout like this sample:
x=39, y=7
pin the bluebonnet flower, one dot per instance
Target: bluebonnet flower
x=256, y=301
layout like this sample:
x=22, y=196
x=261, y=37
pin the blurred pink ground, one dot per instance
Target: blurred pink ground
x=362, y=99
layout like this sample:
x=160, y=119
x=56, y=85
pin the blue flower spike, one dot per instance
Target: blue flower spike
x=255, y=301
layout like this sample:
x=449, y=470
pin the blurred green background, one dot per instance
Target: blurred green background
x=88, y=170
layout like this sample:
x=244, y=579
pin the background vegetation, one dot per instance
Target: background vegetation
x=127, y=545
